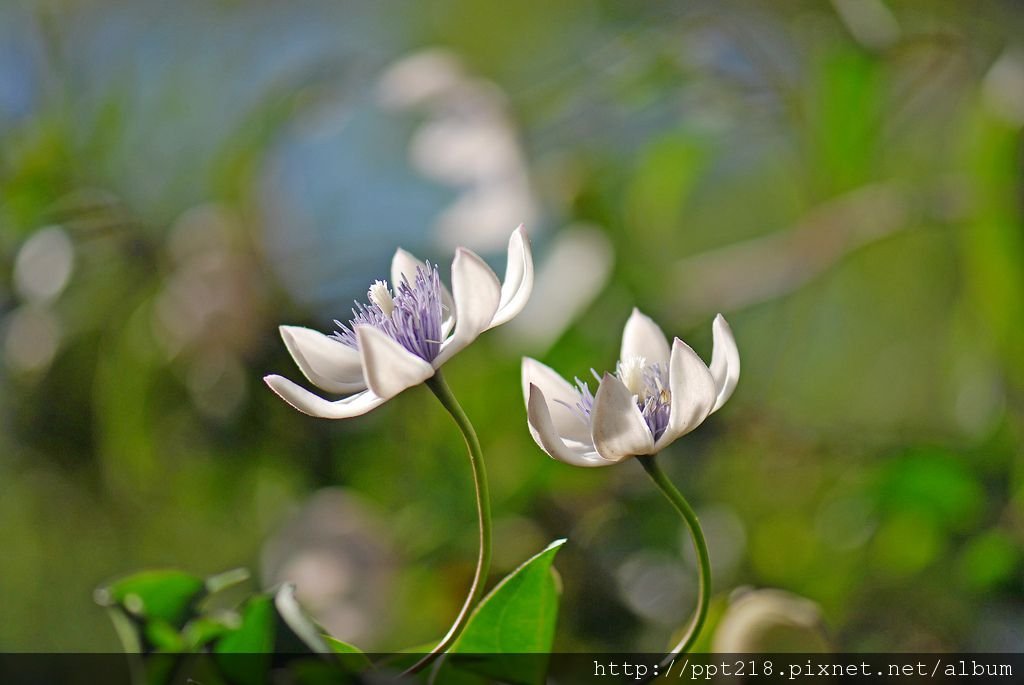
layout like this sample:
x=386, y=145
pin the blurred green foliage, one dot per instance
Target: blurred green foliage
x=845, y=188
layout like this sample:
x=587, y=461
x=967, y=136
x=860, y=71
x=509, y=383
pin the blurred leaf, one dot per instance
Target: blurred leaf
x=658, y=193
x=38, y=164
x=845, y=120
x=988, y=560
x=350, y=656
x=273, y=626
x=667, y=171
x=993, y=240
x=254, y=638
x=167, y=596
x=905, y=544
x=255, y=635
x=205, y=629
x=517, y=617
x=164, y=637
x=339, y=647
x=935, y=483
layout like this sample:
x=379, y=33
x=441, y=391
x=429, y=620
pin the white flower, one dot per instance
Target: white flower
x=770, y=620
x=406, y=332
x=655, y=396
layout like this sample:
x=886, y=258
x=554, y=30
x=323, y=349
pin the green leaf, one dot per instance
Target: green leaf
x=205, y=629
x=254, y=637
x=276, y=624
x=517, y=617
x=164, y=637
x=340, y=647
x=167, y=596
x=351, y=657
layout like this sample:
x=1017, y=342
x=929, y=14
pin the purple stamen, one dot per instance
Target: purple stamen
x=585, y=406
x=415, y=319
x=654, y=403
x=655, y=408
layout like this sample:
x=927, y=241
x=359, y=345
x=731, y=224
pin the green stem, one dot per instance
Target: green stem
x=699, y=544
x=443, y=393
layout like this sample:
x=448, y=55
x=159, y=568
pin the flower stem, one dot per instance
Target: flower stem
x=444, y=394
x=699, y=544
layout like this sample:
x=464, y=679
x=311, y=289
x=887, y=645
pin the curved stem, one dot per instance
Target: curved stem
x=444, y=394
x=699, y=544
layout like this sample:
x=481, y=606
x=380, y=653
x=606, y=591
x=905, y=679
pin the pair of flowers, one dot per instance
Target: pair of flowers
x=404, y=333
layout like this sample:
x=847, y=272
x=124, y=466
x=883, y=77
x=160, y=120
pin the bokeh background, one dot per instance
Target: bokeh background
x=843, y=180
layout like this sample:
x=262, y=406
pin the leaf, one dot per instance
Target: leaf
x=165, y=595
x=517, y=617
x=160, y=610
x=200, y=631
x=243, y=655
x=351, y=657
x=164, y=637
x=277, y=625
x=255, y=635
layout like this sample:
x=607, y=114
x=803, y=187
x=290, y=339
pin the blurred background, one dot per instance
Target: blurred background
x=843, y=180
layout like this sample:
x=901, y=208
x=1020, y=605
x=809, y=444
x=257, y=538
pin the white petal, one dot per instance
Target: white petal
x=518, y=283
x=547, y=438
x=693, y=393
x=327, y=363
x=477, y=293
x=619, y=429
x=643, y=338
x=405, y=264
x=725, y=361
x=558, y=393
x=389, y=368
x=314, y=405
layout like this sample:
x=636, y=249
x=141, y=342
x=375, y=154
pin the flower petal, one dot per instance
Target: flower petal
x=518, y=283
x=389, y=368
x=327, y=363
x=405, y=264
x=693, y=393
x=643, y=338
x=314, y=405
x=477, y=293
x=725, y=361
x=618, y=427
x=548, y=439
x=560, y=396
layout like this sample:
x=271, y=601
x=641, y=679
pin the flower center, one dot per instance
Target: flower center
x=411, y=316
x=647, y=382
